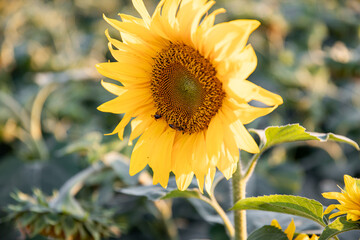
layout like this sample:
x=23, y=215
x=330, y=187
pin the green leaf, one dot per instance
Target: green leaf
x=294, y=205
x=71, y=206
x=58, y=229
x=39, y=225
x=27, y=218
x=192, y=193
x=338, y=226
x=294, y=132
x=16, y=208
x=281, y=134
x=68, y=225
x=82, y=232
x=153, y=192
x=324, y=137
x=269, y=233
x=121, y=167
x=92, y=230
x=52, y=218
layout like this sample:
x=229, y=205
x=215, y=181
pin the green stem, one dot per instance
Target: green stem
x=251, y=167
x=239, y=190
x=212, y=202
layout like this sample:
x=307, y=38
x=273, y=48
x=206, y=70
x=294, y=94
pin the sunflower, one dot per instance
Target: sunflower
x=183, y=85
x=290, y=231
x=349, y=200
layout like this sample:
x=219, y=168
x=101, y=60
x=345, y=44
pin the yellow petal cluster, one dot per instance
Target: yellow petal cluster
x=161, y=145
x=290, y=231
x=349, y=200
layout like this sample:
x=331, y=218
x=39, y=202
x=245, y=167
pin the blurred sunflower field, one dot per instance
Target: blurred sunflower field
x=61, y=177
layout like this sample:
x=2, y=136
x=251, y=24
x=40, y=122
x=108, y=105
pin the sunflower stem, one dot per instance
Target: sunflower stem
x=211, y=200
x=239, y=190
x=251, y=167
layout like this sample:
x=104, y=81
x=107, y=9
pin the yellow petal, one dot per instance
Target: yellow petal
x=169, y=12
x=229, y=137
x=302, y=236
x=290, y=230
x=353, y=215
x=209, y=179
x=329, y=209
x=129, y=18
x=135, y=29
x=182, y=155
x=238, y=67
x=334, y=195
x=161, y=160
x=140, y=7
x=139, y=158
x=205, y=25
x=227, y=39
x=121, y=126
x=227, y=164
x=198, y=16
x=136, y=47
x=214, y=137
x=127, y=102
x=160, y=24
x=187, y=16
x=113, y=88
x=126, y=57
x=247, y=91
x=183, y=180
x=275, y=223
x=243, y=138
x=337, y=214
x=144, y=148
x=139, y=70
x=247, y=115
x=138, y=126
x=352, y=189
x=123, y=72
x=314, y=237
x=129, y=38
x=245, y=112
x=201, y=161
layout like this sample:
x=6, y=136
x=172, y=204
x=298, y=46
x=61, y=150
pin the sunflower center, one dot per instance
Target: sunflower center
x=186, y=91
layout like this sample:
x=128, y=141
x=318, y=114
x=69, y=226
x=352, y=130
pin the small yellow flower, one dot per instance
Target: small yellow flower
x=349, y=200
x=290, y=231
x=183, y=85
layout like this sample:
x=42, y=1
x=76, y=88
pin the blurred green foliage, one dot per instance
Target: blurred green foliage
x=50, y=130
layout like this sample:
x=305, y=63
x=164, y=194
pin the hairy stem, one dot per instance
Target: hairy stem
x=213, y=202
x=251, y=167
x=239, y=189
